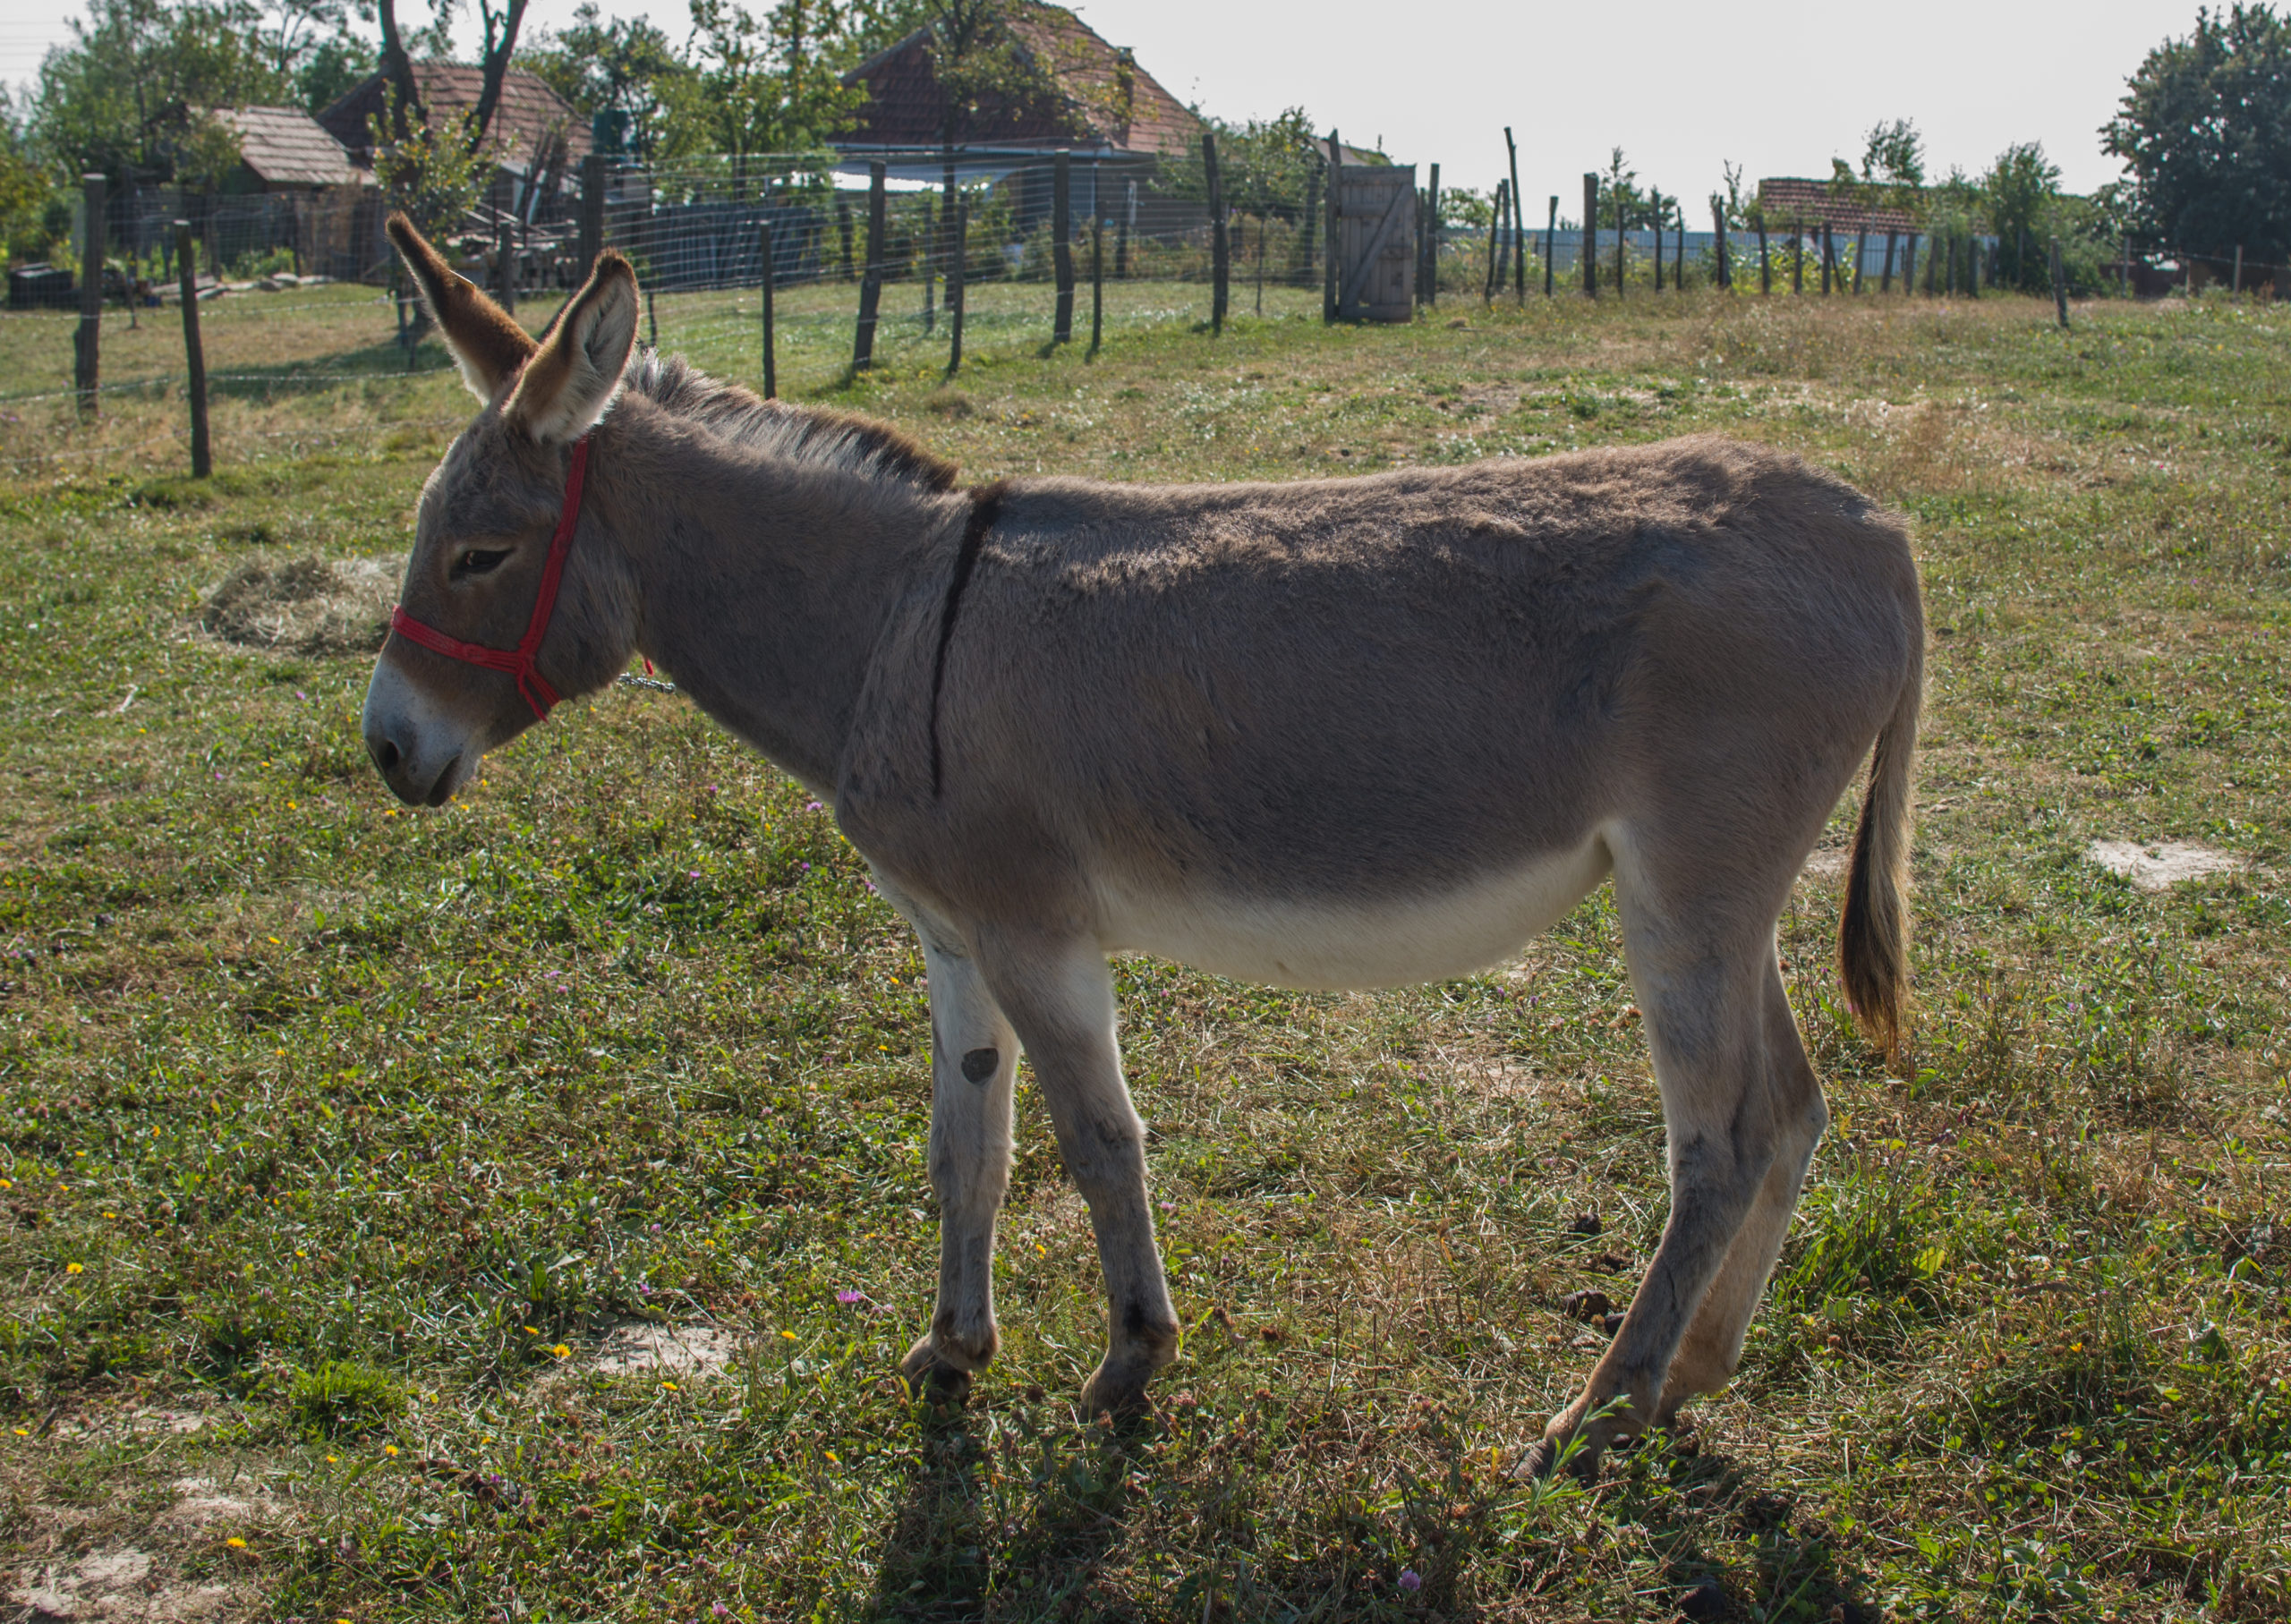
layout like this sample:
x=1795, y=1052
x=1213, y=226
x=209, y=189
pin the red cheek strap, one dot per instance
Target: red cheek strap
x=519, y=662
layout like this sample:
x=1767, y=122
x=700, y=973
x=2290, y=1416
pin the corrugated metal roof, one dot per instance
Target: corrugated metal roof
x=1104, y=97
x=532, y=118
x=1786, y=202
x=286, y=147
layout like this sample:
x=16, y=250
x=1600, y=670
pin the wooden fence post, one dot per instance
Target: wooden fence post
x=1764, y=261
x=2059, y=286
x=1678, y=252
x=1909, y=267
x=1861, y=252
x=203, y=461
x=1829, y=258
x=591, y=241
x=956, y=299
x=1886, y=281
x=1622, y=233
x=1495, y=218
x=871, y=278
x=1427, y=288
x=930, y=269
x=505, y=255
x=1220, y=241
x=1550, y=243
x=1591, y=237
x=1972, y=265
x=1655, y=201
x=2236, y=278
x=1334, y=245
x=1519, y=223
x=1718, y=240
x=1798, y=257
x=1061, y=246
x=1130, y=221
x=86, y=353
x=1097, y=275
x=769, y=253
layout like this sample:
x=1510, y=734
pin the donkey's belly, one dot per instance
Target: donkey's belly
x=1334, y=942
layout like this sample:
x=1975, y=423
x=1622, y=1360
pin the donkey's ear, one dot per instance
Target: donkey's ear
x=574, y=378
x=486, y=341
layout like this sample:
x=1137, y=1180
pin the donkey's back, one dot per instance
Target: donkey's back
x=1372, y=731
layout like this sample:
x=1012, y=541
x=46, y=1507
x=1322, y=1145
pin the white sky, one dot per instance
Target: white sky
x=1779, y=87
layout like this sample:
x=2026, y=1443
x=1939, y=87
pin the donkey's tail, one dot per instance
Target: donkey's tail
x=1873, y=935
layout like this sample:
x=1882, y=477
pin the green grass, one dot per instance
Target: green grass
x=339, y=1139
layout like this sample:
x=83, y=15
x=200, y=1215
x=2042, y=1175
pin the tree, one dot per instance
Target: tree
x=2022, y=193
x=431, y=171
x=2205, y=131
x=768, y=84
x=623, y=65
x=1893, y=155
x=25, y=190
x=133, y=93
x=984, y=65
x=1621, y=205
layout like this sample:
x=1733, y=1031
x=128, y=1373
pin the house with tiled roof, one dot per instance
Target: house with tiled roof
x=294, y=185
x=1103, y=101
x=535, y=141
x=284, y=147
x=1802, y=205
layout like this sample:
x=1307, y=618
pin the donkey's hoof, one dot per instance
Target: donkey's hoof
x=932, y=1380
x=1119, y=1394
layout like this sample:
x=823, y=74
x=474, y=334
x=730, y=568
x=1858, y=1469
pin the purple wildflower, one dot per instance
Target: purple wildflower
x=848, y=1294
x=1411, y=1581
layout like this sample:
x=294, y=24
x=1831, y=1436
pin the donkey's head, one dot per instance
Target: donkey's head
x=483, y=534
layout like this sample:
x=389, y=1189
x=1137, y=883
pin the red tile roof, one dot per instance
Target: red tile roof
x=530, y=117
x=1787, y=203
x=286, y=147
x=1103, y=95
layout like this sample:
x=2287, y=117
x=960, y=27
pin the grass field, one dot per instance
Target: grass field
x=343, y=1147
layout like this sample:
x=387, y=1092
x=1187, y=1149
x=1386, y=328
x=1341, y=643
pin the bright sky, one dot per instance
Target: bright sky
x=1779, y=87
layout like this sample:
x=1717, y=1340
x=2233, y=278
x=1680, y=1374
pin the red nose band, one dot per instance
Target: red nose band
x=519, y=661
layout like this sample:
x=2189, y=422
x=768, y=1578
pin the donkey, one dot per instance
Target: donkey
x=1330, y=734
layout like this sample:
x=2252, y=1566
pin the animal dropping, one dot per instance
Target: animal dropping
x=1337, y=733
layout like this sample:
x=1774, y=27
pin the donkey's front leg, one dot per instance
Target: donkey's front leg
x=973, y=1059
x=1060, y=998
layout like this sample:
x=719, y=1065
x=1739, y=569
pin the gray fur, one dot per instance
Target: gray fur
x=1333, y=731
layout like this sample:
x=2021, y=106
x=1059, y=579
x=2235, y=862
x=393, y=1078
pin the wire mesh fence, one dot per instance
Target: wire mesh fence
x=794, y=270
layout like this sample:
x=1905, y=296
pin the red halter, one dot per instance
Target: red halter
x=519, y=661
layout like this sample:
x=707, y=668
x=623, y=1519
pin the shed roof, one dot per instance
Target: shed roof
x=286, y=147
x=1104, y=97
x=531, y=120
x=1786, y=202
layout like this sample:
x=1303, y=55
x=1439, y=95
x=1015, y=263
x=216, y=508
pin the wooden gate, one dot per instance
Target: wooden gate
x=1376, y=242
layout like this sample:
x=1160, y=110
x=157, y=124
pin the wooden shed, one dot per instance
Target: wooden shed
x=1376, y=249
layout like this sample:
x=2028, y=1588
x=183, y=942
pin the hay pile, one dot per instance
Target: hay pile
x=305, y=607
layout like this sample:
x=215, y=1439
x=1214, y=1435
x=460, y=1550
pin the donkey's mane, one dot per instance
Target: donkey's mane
x=807, y=434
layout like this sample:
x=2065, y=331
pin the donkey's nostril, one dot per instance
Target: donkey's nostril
x=385, y=755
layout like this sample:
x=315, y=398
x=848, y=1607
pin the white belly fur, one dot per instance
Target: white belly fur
x=1330, y=946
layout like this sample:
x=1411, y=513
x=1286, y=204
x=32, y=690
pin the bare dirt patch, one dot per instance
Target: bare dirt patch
x=308, y=606
x=2158, y=865
x=205, y=1503
x=689, y=1353
x=116, y=1585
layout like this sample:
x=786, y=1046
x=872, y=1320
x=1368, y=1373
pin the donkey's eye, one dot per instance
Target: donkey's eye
x=480, y=561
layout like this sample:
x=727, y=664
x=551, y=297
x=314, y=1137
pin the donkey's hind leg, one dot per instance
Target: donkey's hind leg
x=1713, y=1344
x=974, y=1060
x=1060, y=998
x=1696, y=964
